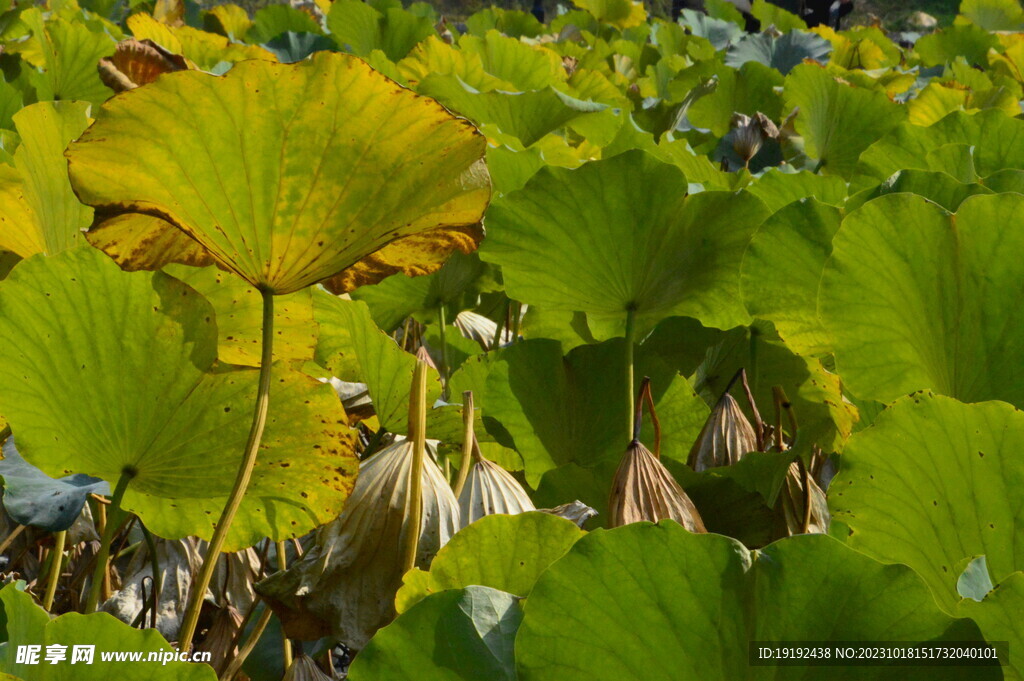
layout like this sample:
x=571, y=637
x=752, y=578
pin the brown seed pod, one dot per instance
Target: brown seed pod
x=643, y=489
x=750, y=134
x=804, y=506
x=725, y=438
x=303, y=668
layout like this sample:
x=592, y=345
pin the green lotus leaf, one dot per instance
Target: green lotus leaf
x=32, y=497
x=361, y=28
x=463, y=634
x=837, y=120
x=28, y=624
x=718, y=32
x=914, y=298
x=932, y=484
x=770, y=14
x=239, y=311
x=938, y=187
x=290, y=47
x=710, y=358
x=998, y=617
x=994, y=15
x=229, y=20
x=521, y=65
x=507, y=552
x=995, y=139
x=688, y=604
x=782, y=53
x=782, y=269
x=557, y=410
x=749, y=89
x=396, y=298
x=385, y=165
x=69, y=53
x=513, y=23
x=778, y=189
x=354, y=349
x=38, y=211
x=945, y=45
x=271, y=21
x=528, y=115
x=106, y=372
x=619, y=13
x=676, y=255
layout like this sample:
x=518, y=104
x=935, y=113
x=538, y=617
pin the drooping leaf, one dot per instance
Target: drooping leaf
x=31, y=497
x=934, y=483
x=674, y=255
x=251, y=196
x=688, y=603
x=912, y=299
x=106, y=371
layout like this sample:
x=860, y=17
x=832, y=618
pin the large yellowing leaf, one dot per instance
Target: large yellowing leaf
x=339, y=162
x=38, y=211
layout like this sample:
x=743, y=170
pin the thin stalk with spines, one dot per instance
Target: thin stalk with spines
x=467, y=442
x=56, y=560
x=252, y=447
x=114, y=520
x=418, y=434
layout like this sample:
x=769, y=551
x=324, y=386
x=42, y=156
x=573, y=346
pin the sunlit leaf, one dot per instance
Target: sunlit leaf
x=106, y=371
x=246, y=189
x=913, y=298
x=657, y=586
x=677, y=255
x=39, y=213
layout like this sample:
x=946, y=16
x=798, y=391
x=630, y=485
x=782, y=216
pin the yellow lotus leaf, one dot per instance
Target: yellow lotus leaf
x=288, y=174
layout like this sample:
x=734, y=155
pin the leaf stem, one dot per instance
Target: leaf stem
x=418, y=434
x=197, y=591
x=250, y=644
x=630, y=334
x=114, y=519
x=496, y=341
x=282, y=565
x=467, y=442
x=11, y=537
x=442, y=322
x=56, y=559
